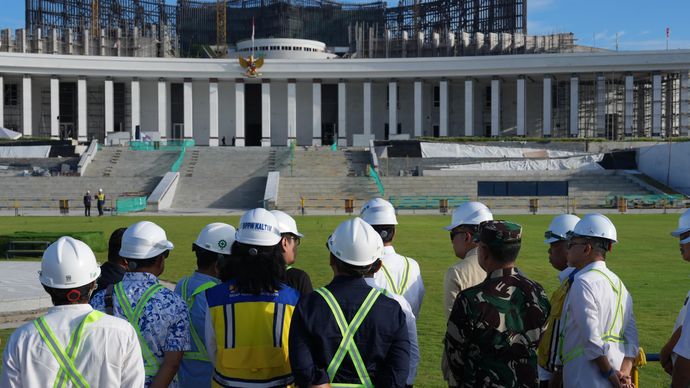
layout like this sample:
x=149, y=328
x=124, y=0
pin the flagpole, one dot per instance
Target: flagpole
x=253, y=36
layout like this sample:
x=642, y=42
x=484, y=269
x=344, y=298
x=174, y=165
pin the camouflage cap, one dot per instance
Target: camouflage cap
x=498, y=232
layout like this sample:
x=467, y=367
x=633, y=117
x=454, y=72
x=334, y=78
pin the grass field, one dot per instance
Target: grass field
x=647, y=260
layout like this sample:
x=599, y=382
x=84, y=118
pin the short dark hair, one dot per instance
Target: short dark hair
x=145, y=263
x=600, y=245
x=389, y=232
x=114, y=245
x=205, y=258
x=77, y=295
x=504, y=253
x=354, y=270
x=255, y=269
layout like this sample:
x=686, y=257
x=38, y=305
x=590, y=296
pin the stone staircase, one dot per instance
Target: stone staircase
x=122, y=162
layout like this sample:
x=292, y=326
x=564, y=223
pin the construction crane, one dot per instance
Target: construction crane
x=221, y=29
x=95, y=19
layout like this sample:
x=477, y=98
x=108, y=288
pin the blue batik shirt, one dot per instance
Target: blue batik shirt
x=196, y=373
x=164, y=323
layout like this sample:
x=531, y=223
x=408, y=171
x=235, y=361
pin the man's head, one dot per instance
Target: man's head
x=290, y=236
x=69, y=271
x=355, y=249
x=214, y=241
x=145, y=248
x=114, y=245
x=380, y=214
x=556, y=236
x=591, y=238
x=683, y=235
x=499, y=243
x=463, y=227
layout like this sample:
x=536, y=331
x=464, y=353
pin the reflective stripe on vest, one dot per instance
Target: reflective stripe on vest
x=151, y=364
x=400, y=288
x=201, y=354
x=608, y=335
x=66, y=358
x=348, y=330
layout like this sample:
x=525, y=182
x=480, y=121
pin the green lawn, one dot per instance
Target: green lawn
x=647, y=259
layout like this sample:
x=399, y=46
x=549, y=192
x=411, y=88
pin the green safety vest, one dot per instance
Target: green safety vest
x=348, y=330
x=66, y=358
x=201, y=354
x=151, y=364
x=399, y=288
x=609, y=335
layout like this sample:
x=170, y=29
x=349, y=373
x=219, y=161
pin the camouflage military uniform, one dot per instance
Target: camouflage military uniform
x=495, y=327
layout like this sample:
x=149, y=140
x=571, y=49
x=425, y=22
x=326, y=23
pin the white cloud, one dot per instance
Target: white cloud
x=655, y=44
x=538, y=5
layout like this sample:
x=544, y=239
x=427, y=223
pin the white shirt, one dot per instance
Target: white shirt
x=395, y=264
x=108, y=355
x=589, y=311
x=682, y=348
x=411, y=330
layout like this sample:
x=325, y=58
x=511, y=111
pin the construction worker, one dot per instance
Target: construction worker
x=675, y=355
x=495, y=327
x=291, y=238
x=212, y=244
x=113, y=270
x=87, y=204
x=598, y=332
x=100, y=201
x=159, y=315
x=72, y=344
x=347, y=333
x=399, y=274
x=249, y=314
x=556, y=237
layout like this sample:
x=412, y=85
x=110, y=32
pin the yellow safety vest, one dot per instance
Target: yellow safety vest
x=549, y=346
x=402, y=286
x=201, y=354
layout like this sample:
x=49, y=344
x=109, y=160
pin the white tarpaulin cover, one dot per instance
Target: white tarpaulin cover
x=25, y=152
x=654, y=161
x=582, y=163
x=450, y=150
x=9, y=134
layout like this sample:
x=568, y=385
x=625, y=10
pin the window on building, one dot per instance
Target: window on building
x=437, y=96
x=487, y=99
x=10, y=95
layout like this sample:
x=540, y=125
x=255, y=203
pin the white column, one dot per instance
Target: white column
x=656, y=105
x=136, y=107
x=26, y=106
x=163, y=108
x=392, y=108
x=292, y=111
x=266, y=113
x=367, y=107
x=54, y=108
x=2, y=101
x=443, y=108
x=239, y=113
x=418, y=117
x=188, y=109
x=82, y=124
x=109, y=109
x=316, y=112
x=342, y=113
x=546, y=119
x=600, y=107
x=469, y=107
x=521, y=106
x=495, y=107
x=213, y=113
x=574, y=106
x=685, y=103
x=629, y=105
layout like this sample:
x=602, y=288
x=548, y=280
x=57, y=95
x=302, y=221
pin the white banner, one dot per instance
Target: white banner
x=582, y=163
x=450, y=150
x=25, y=152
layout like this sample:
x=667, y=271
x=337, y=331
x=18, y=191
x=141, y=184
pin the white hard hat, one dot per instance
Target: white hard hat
x=378, y=211
x=100, y=190
x=144, y=240
x=258, y=227
x=559, y=228
x=683, y=226
x=470, y=213
x=355, y=242
x=595, y=225
x=216, y=237
x=68, y=263
x=286, y=224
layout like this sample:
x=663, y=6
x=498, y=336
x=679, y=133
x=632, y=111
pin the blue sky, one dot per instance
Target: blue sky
x=640, y=25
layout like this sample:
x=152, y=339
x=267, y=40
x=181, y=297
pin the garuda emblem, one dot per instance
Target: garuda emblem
x=251, y=65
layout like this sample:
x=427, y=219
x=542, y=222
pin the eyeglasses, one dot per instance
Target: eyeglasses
x=549, y=234
x=455, y=233
x=572, y=244
x=296, y=239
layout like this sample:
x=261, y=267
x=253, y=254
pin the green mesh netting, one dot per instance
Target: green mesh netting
x=130, y=204
x=377, y=180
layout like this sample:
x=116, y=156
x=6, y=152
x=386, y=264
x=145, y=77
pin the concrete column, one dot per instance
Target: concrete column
x=239, y=112
x=629, y=105
x=574, y=106
x=656, y=105
x=213, y=112
x=163, y=108
x=367, y=107
x=136, y=107
x=2, y=101
x=342, y=113
x=27, y=124
x=86, y=42
x=600, y=107
x=546, y=117
x=392, y=108
x=188, y=109
x=54, y=108
x=495, y=107
x=443, y=108
x=316, y=112
x=266, y=113
x=82, y=115
x=521, y=106
x=292, y=111
x=469, y=107
x=418, y=105
x=685, y=103
x=109, y=108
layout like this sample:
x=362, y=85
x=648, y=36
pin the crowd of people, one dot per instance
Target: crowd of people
x=248, y=318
